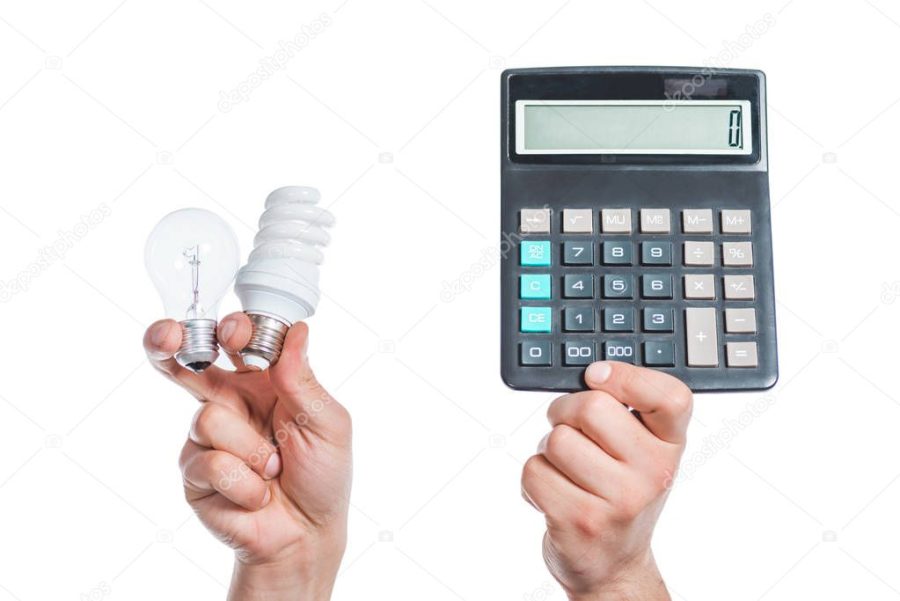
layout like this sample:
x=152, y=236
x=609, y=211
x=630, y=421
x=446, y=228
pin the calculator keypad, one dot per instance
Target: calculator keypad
x=674, y=288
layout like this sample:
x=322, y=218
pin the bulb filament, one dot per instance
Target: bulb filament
x=193, y=256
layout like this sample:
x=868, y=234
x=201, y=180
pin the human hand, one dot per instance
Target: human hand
x=601, y=478
x=267, y=463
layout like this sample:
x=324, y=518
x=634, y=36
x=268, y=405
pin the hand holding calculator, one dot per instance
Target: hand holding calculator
x=637, y=203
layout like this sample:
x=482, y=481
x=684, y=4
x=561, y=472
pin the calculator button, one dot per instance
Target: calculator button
x=702, y=340
x=534, y=287
x=618, y=320
x=736, y=221
x=617, y=286
x=578, y=253
x=535, y=253
x=578, y=353
x=741, y=354
x=615, y=221
x=699, y=253
x=656, y=253
x=536, y=320
x=699, y=286
x=659, y=354
x=535, y=353
x=534, y=221
x=739, y=287
x=657, y=286
x=659, y=319
x=617, y=253
x=740, y=321
x=579, y=285
x=578, y=319
x=619, y=351
x=655, y=221
x=697, y=221
x=737, y=254
x=578, y=221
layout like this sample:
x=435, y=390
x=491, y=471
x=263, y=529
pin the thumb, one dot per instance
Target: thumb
x=309, y=404
x=663, y=401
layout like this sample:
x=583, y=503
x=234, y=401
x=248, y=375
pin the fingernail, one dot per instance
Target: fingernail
x=158, y=335
x=598, y=372
x=268, y=497
x=226, y=329
x=273, y=465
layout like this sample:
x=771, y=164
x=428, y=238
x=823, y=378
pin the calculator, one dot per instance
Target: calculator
x=636, y=226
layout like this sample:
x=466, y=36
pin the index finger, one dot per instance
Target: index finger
x=664, y=402
x=161, y=341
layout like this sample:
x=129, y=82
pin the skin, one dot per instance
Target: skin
x=601, y=478
x=267, y=463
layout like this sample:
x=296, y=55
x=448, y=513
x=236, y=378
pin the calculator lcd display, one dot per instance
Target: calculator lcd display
x=633, y=127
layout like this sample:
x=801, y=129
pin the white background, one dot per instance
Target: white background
x=392, y=110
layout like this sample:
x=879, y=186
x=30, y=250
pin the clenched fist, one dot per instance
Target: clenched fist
x=601, y=477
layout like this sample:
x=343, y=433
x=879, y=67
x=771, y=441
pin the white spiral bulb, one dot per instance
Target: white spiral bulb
x=279, y=285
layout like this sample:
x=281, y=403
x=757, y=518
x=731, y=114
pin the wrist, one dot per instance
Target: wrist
x=295, y=576
x=639, y=580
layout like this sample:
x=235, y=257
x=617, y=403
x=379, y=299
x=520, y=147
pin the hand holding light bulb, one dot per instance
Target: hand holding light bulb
x=267, y=463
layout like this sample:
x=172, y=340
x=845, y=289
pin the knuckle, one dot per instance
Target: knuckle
x=588, y=407
x=185, y=456
x=634, y=499
x=589, y=521
x=557, y=442
x=216, y=465
x=659, y=479
x=629, y=508
x=592, y=404
x=531, y=472
x=206, y=420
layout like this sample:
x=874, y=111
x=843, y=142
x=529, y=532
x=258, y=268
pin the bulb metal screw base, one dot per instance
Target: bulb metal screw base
x=265, y=343
x=199, y=346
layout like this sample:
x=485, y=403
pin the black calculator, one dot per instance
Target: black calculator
x=636, y=226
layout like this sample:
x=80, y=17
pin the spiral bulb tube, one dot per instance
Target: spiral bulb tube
x=279, y=285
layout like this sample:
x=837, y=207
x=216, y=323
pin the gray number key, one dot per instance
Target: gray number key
x=578, y=253
x=580, y=285
x=658, y=319
x=578, y=319
x=617, y=286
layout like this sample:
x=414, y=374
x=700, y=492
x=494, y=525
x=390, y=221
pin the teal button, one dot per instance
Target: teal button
x=534, y=287
x=536, y=319
x=535, y=253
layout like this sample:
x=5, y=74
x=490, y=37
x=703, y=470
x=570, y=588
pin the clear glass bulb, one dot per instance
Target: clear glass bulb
x=192, y=256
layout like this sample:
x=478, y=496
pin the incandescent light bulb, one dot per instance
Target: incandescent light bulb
x=192, y=256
